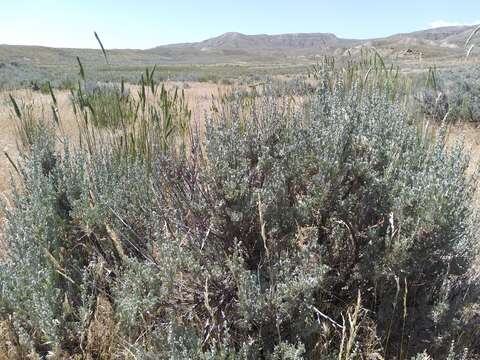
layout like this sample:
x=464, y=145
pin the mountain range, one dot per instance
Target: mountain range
x=232, y=47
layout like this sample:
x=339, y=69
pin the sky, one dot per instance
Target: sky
x=145, y=24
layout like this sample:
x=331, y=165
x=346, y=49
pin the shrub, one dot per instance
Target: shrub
x=465, y=97
x=460, y=95
x=326, y=228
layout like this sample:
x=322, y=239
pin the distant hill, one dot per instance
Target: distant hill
x=231, y=47
x=453, y=35
x=234, y=40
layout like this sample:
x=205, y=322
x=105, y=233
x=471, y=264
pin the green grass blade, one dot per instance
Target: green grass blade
x=82, y=71
x=10, y=160
x=101, y=46
x=15, y=106
x=54, y=99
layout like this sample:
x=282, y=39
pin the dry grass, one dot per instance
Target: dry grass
x=9, y=343
x=101, y=334
x=198, y=96
x=41, y=103
x=470, y=135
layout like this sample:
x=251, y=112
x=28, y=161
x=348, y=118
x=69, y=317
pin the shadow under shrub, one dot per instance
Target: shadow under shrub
x=256, y=244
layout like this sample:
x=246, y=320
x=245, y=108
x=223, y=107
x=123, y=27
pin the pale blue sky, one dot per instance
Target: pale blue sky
x=148, y=23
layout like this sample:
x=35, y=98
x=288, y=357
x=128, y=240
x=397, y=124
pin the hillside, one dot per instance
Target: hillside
x=234, y=47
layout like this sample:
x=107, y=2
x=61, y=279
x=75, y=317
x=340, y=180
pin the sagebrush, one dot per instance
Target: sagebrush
x=307, y=223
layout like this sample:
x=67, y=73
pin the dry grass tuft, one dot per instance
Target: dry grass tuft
x=101, y=333
x=10, y=348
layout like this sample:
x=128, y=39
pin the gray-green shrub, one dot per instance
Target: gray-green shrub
x=255, y=244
